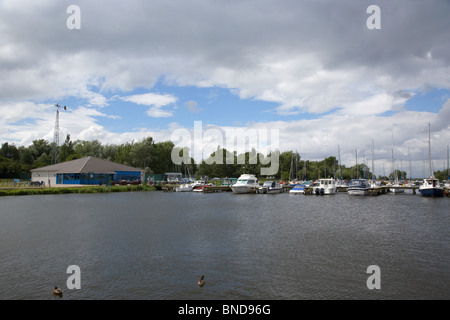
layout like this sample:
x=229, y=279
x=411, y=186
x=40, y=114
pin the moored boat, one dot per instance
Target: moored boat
x=358, y=187
x=431, y=186
x=185, y=187
x=245, y=184
x=200, y=188
x=325, y=186
x=298, y=189
x=270, y=187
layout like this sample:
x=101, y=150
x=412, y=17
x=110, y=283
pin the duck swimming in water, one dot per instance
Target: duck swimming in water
x=201, y=282
x=57, y=291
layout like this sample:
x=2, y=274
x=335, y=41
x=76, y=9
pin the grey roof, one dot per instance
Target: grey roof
x=87, y=165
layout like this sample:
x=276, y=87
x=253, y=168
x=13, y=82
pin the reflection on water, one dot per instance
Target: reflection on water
x=155, y=245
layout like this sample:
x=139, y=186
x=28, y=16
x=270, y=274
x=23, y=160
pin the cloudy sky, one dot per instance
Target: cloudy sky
x=310, y=69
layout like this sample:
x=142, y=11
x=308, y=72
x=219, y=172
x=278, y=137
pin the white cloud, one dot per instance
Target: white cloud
x=151, y=99
x=305, y=56
x=155, y=101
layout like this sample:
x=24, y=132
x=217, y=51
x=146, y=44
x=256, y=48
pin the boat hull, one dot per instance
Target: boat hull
x=242, y=189
x=270, y=190
x=184, y=189
x=432, y=192
x=358, y=192
x=324, y=191
x=396, y=190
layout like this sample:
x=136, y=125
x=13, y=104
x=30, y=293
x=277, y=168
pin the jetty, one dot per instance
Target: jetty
x=211, y=189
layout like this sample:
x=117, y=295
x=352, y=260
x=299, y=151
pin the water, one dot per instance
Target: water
x=155, y=245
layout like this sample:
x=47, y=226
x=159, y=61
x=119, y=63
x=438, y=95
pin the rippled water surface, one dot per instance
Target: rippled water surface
x=155, y=245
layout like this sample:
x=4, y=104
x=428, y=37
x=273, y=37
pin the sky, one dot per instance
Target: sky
x=312, y=70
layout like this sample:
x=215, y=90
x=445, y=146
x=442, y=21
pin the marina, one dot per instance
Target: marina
x=373, y=191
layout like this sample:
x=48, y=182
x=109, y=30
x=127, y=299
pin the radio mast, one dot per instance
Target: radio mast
x=55, y=151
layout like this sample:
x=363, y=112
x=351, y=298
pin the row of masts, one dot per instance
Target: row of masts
x=394, y=168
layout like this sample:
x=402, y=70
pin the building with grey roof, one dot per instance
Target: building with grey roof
x=85, y=171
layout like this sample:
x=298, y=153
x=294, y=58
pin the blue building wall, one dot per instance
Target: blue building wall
x=96, y=178
x=127, y=175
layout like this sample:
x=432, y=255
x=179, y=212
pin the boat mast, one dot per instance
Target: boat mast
x=373, y=168
x=394, y=171
x=448, y=167
x=410, y=172
x=340, y=170
x=429, y=149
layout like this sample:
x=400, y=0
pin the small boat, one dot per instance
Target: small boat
x=201, y=187
x=185, y=187
x=447, y=184
x=396, y=188
x=325, y=186
x=245, y=184
x=358, y=187
x=298, y=189
x=270, y=187
x=341, y=184
x=431, y=186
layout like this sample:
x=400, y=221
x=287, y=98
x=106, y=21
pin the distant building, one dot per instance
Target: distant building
x=85, y=171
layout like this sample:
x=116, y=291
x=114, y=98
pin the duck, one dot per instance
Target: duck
x=201, y=282
x=57, y=291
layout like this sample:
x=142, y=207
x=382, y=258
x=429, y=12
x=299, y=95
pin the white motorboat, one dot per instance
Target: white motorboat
x=245, y=184
x=270, y=187
x=185, y=187
x=325, y=186
x=396, y=188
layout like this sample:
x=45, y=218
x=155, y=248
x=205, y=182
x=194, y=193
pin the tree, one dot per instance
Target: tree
x=10, y=152
x=161, y=160
x=9, y=168
x=142, y=153
x=67, y=151
x=39, y=147
x=85, y=148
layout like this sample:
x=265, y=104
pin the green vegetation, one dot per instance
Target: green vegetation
x=155, y=158
x=65, y=190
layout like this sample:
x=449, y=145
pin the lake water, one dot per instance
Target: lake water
x=155, y=245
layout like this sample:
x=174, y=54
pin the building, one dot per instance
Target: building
x=170, y=177
x=85, y=171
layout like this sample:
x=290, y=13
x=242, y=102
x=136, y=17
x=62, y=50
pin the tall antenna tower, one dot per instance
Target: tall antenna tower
x=55, y=151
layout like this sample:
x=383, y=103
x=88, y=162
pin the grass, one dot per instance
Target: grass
x=62, y=190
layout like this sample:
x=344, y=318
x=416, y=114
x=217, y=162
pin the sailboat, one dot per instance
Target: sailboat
x=358, y=187
x=396, y=187
x=430, y=186
x=340, y=183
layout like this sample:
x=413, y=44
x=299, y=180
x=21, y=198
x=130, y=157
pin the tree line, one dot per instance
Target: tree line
x=155, y=158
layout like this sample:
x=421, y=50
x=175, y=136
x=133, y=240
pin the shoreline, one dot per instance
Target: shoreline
x=24, y=191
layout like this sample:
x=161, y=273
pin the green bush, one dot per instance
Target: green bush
x=65, y=190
